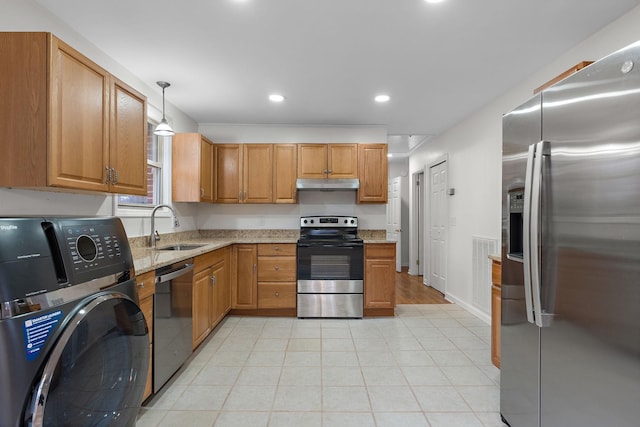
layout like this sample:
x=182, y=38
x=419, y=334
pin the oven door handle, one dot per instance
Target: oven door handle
x=331, y=245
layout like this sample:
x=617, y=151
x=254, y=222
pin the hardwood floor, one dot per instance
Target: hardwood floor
x=410, y=290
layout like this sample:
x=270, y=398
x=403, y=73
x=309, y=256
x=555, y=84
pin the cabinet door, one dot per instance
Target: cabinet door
x=312, y=160
x=228, y=173
x=206, y=170
x=201, y=305
x=219, y=272
x=342, y=160
x=78, y=149
x=128, y=140
x=285, y=158
x=257, y=179
x=496, y=320
x=373, y=173
x=379, y=276
x=245, y=286
x=23, y=100
x=146, y=305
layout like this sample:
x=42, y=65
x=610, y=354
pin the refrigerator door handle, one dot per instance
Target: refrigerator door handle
x=527, y=232
x=541, y=150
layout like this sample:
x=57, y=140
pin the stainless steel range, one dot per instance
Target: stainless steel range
x=330, y=267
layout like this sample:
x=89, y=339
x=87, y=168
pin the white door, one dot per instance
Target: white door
x=394, y=218
x=437, y=226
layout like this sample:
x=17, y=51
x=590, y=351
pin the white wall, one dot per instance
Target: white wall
x=474, y=149
x=26, y=15
x=309, y=202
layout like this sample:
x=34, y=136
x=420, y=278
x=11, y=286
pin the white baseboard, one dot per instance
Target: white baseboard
x=485, y=317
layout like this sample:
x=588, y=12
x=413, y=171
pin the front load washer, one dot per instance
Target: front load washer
x=74, y=345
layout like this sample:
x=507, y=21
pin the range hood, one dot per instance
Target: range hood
x=328, y=184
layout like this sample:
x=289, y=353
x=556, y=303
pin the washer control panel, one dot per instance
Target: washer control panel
x=91, y=245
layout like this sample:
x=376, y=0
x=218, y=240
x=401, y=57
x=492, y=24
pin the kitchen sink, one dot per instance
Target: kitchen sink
x=179, y=247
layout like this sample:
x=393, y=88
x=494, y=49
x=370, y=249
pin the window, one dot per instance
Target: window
x=155, y=160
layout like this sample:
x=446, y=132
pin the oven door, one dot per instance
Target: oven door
x=330, y=267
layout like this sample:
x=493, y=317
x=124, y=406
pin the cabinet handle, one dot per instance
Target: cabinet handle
x=107, y=177
x=201, y=192
x=277, y=248
x=213, y=280
x=277, y=268
x=141, y=285
x=115, y=175
x=277, y=294
x=255, y=267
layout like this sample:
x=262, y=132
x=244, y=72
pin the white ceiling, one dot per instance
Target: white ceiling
x=329, y=58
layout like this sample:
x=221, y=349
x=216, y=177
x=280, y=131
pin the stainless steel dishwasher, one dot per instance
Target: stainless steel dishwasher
x=172, y=316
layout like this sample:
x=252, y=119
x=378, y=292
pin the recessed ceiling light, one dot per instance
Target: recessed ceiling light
x=434, y=1
x=274, y=97
x=389, y=155
x=382, y=98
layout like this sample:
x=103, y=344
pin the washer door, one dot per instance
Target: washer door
x=96, y=373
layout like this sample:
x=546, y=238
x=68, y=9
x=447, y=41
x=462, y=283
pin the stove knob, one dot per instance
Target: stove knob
x=305, y=221
x=353, y=221
x=311, y=221
x=345, y=221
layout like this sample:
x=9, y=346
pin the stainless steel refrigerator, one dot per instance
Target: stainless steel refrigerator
x=570, y=353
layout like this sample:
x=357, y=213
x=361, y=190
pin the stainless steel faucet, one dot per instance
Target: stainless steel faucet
x=154, y=236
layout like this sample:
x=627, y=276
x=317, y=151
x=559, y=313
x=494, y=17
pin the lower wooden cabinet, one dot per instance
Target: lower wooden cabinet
x=276, y=276
x=244, y=288
x=379, y=279
x=146, y=286
x=496, y=310
x=211, y=292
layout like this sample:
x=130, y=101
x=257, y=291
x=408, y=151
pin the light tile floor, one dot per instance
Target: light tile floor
x=427, y=366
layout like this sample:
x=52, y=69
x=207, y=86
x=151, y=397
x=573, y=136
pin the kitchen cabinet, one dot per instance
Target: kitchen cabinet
x=285, y=158
x=373, y=166
x=379, y=278
x=257, y=177
x=255, y=173
x=496, y=309
x=276, y=276
x=327, y=161
x=146, y=284
x=227, y=172
x=191, y=168
x=67, y=122
x=211, y=292
x=244, y=289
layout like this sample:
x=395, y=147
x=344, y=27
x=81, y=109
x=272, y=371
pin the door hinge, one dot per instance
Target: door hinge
x=417, y=183
x=417, y=262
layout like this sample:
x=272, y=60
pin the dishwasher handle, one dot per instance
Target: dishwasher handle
x=174, y=273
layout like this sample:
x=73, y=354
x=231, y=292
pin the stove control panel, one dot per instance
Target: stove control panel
x=328, y=221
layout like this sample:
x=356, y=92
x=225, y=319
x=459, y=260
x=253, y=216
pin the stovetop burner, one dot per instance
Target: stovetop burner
x=329, y=229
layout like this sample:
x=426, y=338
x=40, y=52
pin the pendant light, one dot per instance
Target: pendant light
x=163, y=128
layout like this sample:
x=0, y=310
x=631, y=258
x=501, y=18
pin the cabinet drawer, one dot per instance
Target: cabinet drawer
x=207, y=260
x=496, y=273
x=146, y=285
x=379, y=251
x=277, y=295
x=277, y=269
x=276, y=249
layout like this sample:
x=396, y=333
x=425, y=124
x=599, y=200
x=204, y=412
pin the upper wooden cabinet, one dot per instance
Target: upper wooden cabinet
x=227, y=173
x=373, y=170
x=67, y=122
x=254, y=173
x=192, y=168
x=285, y=158
x=257, y=177
x=327, y=160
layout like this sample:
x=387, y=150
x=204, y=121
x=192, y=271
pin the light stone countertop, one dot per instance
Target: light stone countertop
x=146, y=259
